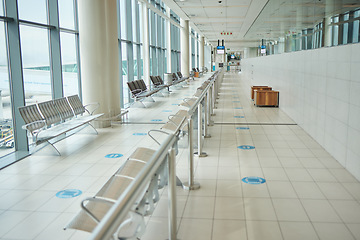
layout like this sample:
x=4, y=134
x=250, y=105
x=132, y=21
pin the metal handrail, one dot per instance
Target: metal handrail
x=118, y=212
x=193, y=108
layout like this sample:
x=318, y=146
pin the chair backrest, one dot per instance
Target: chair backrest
x=142, y=84
x=197, y=70
x=137, y=85
x=154, y=80
x=133, y=89
x=76, y=104
x=50, y=113
x=179, y=74
x=64, y=109
x=175, y=77
x=160, y=81
x=32, y=114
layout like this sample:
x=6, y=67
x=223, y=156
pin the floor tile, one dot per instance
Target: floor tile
x=229, y=229
x=308, y=190
x=199, y=207
x=259, y=230
x=290, y=210
x=333, y=231
x=349, y=211
x=320, y=211
x=200, y=229
x=230, y=208
x=298, y=231
x=259, y=209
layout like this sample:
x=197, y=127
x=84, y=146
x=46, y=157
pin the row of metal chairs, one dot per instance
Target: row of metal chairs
x=47, y=120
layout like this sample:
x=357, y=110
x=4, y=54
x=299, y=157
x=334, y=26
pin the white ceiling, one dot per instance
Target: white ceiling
x=249, y=21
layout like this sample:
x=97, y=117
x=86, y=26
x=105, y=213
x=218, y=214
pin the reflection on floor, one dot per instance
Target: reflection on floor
x=307, y=194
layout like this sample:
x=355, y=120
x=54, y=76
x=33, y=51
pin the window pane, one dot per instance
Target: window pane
x=1, y=8
x=69, y=64
x=34, y=10
x=124, y=72
x=35, y=60
x=6, y=127
x=123, y=19
x=66, y=14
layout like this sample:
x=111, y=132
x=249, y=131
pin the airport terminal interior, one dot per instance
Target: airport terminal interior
x=180, y=119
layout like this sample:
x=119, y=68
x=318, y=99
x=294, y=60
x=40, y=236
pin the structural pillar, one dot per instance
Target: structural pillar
x=168, y=41
x=184, y=44
x=201, y=53
x=99, y=60
x=146, y=42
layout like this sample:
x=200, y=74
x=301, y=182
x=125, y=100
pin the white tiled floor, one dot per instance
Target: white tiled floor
x=308, y=195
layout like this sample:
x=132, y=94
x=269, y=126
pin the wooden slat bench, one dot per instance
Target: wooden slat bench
x=48, y=120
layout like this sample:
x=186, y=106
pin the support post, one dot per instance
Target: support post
x=191, y=185
x=172, y=194
x=200, y=153
x=206, y=116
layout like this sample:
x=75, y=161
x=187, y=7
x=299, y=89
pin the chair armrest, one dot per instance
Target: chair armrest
x=91, y=104
x=25, y=127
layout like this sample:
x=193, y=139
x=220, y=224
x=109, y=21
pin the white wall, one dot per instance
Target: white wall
x=320, y=90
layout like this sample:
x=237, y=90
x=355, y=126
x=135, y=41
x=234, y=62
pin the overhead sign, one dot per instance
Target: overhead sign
x=220, y=47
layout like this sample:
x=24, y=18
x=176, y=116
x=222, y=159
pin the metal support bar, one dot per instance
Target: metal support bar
x=206, y=116
x=191, y=185
x=200, y=153
x=172, y=194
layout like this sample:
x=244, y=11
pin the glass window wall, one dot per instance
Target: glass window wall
x=6, y=123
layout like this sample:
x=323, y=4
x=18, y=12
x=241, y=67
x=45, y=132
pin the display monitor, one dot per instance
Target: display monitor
x=220, y=51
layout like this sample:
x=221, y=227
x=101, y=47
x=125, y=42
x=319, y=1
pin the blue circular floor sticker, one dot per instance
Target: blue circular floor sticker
x=236, y=101
x=175, y=104
x=139, y=134
x=246, y=147
x=242, y=128
x=239, y=117
x=114, y=155
x=68, y=193
x=253, y=180
x=167, y=111
x=156, y=120
x=238, y=108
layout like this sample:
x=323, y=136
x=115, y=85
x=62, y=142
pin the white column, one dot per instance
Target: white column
x=184, y=41
x=99, y=56
x=201, y=53
x=168, y=41
x=146, y=47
